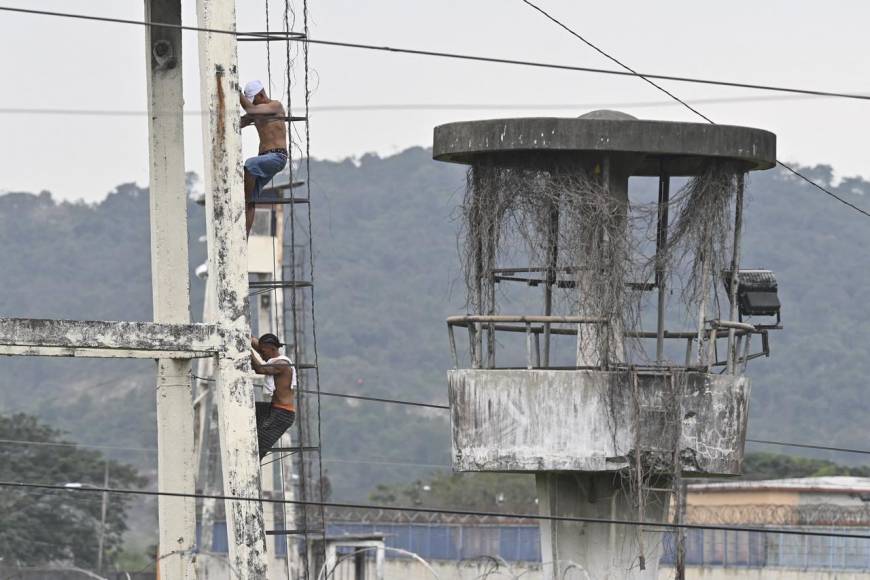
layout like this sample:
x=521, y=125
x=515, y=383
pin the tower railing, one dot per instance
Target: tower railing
x=536, y=325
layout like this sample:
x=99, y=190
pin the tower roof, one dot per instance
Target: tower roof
x=675, y=147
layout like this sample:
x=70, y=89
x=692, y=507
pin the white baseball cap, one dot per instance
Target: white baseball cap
x=252, y=89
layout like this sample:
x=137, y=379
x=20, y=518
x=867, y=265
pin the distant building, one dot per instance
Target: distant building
x=835, y=500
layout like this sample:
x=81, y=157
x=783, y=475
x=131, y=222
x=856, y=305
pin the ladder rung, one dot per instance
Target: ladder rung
x=279, y=284
x=270, y=37
x=292, y=532
x=280, y=200
x=277, y=189
x=306, y=366
x=295, y=449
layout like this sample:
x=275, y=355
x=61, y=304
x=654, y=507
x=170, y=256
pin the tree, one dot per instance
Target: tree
x=41, y=526
x=776, y=466
x=510, y=492
x=475, y=491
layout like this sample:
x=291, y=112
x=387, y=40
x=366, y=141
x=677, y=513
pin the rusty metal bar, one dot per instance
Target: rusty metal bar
x=475, y=345
x=689, y=349
x=746, y=351
x=528, y=345
x=490, y=329
x=711, y=348
x=520, y=318
x=661, y=251
x=552, y=261
x=452, y=337
x=735, y=267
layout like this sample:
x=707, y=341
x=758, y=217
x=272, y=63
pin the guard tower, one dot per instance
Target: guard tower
x=594, y=390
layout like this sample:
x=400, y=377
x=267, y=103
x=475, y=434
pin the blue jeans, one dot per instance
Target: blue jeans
x=264, y=167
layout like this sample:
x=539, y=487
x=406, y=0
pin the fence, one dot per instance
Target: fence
x=520, y=542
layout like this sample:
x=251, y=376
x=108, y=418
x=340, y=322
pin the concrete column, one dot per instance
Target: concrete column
x=225, y=213
x=589, y=550
x=170, y=287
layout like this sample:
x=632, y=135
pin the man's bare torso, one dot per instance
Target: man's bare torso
x=283, y=388
x=272, y=130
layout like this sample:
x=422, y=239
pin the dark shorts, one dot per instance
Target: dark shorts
x=264, y=167
x=271, y=424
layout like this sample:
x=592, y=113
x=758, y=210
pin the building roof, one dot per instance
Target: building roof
x=830, y=484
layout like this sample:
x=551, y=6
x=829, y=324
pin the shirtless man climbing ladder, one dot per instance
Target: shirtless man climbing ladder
x=268, y=117
x=276, y=416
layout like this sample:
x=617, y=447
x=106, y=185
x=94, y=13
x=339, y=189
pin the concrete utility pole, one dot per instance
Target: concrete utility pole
x=170, y=287
x=228, y=276
x=172, y=340
x=104, y=508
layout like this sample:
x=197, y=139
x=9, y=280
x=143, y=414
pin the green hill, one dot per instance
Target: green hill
x=387, y=276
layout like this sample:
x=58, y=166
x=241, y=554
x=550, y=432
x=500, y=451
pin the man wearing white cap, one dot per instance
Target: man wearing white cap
x=269, y=118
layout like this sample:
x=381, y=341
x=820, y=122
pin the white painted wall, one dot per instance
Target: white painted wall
x=408, y=570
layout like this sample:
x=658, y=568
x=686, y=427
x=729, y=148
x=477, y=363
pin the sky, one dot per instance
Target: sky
x=52, y=63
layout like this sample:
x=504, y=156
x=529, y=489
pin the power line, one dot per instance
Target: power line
x=361, y=461
x=445, y=511
x=148, y=23
x=358, y=397
x=534, y=64
x=419, y=107
x=275, y=36
x=447, y=408
x=809, y=446
x=676, y=98
x=381, y=400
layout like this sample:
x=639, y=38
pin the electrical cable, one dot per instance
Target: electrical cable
x=262, y=36
x=426, y=106
x=361, y=461
x=307, y=89
x=445, y=511
x=447, y=407
x=689, y=107
x=810, y=446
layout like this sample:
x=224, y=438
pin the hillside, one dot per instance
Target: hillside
x=387, y=276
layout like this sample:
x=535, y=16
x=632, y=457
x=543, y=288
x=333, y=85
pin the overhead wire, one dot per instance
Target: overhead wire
x=438, y=511
x=307, y=114
x=263, y=36
x=647, y=78
x=426, y=106
x=447, y=408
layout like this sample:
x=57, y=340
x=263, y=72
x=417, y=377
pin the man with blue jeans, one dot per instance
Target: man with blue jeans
x=268, y=117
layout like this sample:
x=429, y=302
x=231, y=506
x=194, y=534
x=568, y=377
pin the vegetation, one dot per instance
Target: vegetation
x=39, y=526
x=515, y=493
x=387, y=276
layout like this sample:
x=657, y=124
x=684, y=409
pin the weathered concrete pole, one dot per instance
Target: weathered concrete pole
x=228, y=274
x=170, y=287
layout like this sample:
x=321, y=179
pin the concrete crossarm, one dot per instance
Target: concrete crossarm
x=40, y=337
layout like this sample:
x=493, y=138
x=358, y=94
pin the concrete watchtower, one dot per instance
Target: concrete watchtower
x=608, y=415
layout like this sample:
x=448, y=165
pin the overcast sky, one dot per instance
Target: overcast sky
x=52, y=63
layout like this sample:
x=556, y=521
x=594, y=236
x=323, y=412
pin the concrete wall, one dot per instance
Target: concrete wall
x=742, y=498
x=407, y=570
x=555, y=420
